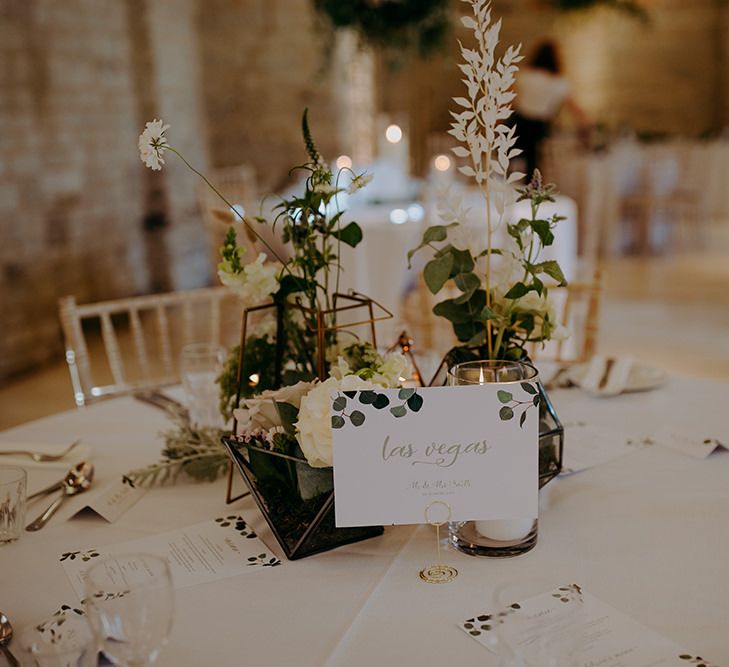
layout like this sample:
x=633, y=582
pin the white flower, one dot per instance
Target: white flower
x=255, y=283
x=314, y=428
x=394, y=366
x=358, y=182
x=260, y=412
x=153, y=143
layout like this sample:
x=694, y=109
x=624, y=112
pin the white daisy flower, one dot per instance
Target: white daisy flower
x=153, y=143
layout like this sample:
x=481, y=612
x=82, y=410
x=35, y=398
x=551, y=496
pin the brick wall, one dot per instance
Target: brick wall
x=78, y=78
x=69, y=203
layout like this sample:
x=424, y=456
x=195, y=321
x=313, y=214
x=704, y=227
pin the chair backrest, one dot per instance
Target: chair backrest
x=578, y=309
x=116, y=347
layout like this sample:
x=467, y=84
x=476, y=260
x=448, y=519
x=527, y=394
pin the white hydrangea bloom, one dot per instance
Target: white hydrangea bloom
x=153, y=143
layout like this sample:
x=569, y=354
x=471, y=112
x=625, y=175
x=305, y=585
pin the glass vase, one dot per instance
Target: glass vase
x=500, y=538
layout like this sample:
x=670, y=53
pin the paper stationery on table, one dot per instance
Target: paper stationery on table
x=467, y=452
x=206, y=551
x=587, y=446
x=113, y=499
x=610, y=639
x=695, y=447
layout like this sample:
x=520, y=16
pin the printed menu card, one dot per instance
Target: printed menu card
x=203, y=552
x=596, y=632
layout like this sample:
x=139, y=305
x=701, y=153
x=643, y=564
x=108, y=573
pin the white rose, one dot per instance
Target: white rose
x=314, y=428
x=260, y=412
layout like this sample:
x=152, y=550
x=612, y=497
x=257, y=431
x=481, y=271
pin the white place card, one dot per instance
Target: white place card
x=207, y=551
x=467, y=453
x=609, y=637
x=587, y=446
x=113, y=499
x=689, y=445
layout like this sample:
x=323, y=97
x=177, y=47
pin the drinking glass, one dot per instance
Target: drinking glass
x=62, y=641
x=200, y=365
x=13, y=484
x=130, y=604
x=537, y=630
x=493, y=538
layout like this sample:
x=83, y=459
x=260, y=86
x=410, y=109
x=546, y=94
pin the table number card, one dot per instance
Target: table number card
x=473, y=448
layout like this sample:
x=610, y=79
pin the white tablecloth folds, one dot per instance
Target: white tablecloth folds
x=647, y=532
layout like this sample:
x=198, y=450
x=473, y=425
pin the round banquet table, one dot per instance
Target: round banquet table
x=648, y=533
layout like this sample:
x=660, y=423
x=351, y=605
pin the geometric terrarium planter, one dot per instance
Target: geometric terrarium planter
x=551, y=439
x=296, y=500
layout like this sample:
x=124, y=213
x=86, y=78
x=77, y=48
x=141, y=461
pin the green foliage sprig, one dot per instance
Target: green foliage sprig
x=197, y=452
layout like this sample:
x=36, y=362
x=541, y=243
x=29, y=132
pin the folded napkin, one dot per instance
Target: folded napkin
x=81, y=452
x=606, y=376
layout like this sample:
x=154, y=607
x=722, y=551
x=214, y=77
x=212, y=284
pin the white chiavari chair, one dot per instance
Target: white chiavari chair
x=126, y=345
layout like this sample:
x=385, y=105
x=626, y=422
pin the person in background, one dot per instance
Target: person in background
x=541, y=92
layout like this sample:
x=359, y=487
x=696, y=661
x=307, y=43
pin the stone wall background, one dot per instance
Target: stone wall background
x=79, y=214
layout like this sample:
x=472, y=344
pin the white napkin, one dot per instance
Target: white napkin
x=606, y=376
x=81, y=452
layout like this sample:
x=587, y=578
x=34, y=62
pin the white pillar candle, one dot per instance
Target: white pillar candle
x=504, y=530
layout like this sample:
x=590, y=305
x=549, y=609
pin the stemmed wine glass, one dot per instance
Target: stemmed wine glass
x=130, y=604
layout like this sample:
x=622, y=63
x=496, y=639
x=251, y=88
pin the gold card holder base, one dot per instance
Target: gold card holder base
x=439, y=573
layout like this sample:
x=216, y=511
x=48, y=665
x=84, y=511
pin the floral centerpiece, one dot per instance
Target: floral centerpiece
x=296, y=349
x=497, y=297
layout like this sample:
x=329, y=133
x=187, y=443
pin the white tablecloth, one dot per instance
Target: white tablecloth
x=647, y=533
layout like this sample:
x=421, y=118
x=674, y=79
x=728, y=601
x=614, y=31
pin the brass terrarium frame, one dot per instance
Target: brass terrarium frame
x=353, y=301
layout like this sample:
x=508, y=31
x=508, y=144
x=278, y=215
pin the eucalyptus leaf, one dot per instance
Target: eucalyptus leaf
x=522, y=419
x=528, y=388
x=339, y=403
x=437, y=271
x=381, y=401
x=504, y=396
x=337, y=421
x=367, y=397
x=506, y=413
x=357, y=418
x=399, y=411
x=467, y=282
x=415, y=402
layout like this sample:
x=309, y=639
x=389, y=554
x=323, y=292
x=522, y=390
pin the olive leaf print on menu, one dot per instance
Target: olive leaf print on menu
x=346, y=404
x=510, y=404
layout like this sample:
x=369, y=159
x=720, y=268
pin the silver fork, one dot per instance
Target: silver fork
x=39, y=457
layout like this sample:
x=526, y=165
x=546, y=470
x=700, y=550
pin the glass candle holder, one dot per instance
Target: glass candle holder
x=493, y=538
